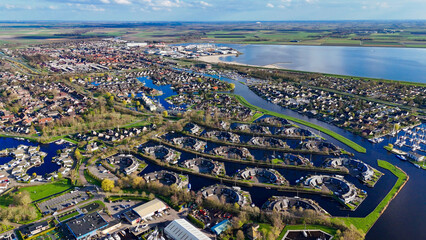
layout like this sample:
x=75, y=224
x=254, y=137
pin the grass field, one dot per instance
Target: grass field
x=44, y=190
x=68, y=216
x=366, y=223
x=328, y=230
x=407, y=34
x=6, y=200
x=90, y=179
x=340, y=138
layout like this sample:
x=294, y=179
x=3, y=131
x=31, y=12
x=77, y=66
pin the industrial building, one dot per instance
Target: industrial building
x=182, y=229
x=145, y=211
x=86, y=226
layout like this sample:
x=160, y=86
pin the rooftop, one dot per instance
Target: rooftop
x=86, y=224
x=182, y=229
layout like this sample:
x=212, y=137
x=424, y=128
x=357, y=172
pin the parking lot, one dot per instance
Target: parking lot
x=119, y=207
x=101, y=172
x=62, y=202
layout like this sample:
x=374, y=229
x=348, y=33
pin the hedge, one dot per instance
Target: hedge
x=195, y=221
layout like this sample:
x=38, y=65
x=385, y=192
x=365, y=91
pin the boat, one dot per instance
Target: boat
x=376, y=140
x=401, y=157
x=417, y=165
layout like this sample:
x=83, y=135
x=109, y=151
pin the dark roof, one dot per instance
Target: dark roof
x=131, y=215
x=27, y=229
x=86, y=224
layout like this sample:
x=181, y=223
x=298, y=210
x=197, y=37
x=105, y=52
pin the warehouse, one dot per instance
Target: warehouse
x=87, y=225
x=182, y=229
x=145, y=211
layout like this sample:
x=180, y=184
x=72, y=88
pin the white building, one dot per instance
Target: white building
x=182, y=229
x=135, y=44
x=416, y=157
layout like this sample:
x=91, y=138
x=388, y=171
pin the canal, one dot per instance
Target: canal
x=401, y=220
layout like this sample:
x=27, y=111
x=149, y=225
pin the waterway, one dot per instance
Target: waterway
x=405, y=64
x=401, y=220
x=46, y=167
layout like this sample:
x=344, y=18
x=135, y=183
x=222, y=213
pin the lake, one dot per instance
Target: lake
x=405, y=64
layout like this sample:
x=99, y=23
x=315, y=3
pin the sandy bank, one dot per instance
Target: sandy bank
x=216, y=59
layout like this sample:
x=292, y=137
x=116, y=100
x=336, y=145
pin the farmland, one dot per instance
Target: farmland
x=370, y=33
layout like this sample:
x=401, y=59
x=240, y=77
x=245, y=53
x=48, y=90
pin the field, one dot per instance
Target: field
x=328, y=230
x=369, y=33
x=41, y=191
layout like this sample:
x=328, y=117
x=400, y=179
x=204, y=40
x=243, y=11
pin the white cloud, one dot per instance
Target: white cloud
x=124, y=2
x=205, y=4
x=12, y=6
x=382, y=4
x=93, y=8
x=105, y=1
x=158, y=5
x=270, y=5
x=9, y=6
x=86, y=7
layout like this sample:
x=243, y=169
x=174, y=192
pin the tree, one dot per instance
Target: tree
x=151, y=196
x=174, y=200
x=165, y=113
x=232, y=86
x=137, y=181
x=107, y=185
x=22, y=198
x=34, y=175
x=240, y=235
x=77, y=155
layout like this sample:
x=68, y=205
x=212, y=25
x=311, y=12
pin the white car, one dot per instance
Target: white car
x=116, y=237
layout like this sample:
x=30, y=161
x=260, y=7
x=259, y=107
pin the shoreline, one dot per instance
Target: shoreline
x=215, y=59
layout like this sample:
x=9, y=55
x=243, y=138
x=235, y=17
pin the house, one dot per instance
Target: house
x=416, y=157
x=45, y=120
x=34, y=228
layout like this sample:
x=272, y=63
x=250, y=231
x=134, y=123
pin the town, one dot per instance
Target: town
x=115, y=139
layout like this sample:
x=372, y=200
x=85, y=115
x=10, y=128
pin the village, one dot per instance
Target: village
x=366, y=118
x=127, y=165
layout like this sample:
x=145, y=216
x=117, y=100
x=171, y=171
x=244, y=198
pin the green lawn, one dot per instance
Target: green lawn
x=256, y=116
x=342, y=139
x=90, y=179
x=329, y=230
x=6, y=200
x=41, y=191
x=68, y=216
x=137, y=124
x=277, y=161
x=366, y=223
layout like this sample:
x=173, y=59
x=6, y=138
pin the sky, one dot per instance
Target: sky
x=211, y=10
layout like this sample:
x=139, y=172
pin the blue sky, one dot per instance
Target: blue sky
x=211, y=10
